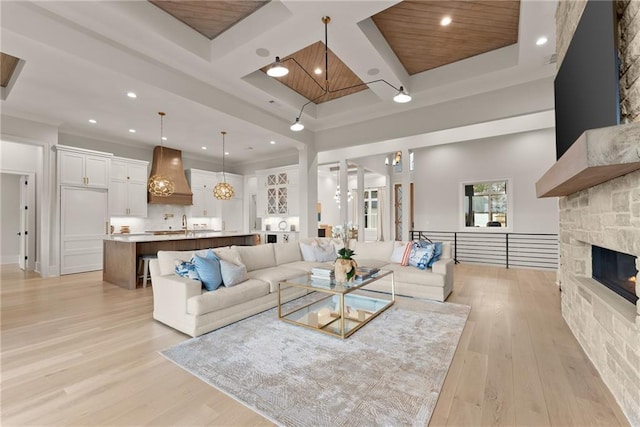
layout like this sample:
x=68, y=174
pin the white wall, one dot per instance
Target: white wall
x=523, y=158
x=326, y=190
x=9, y=218
x=327, y=183
x=25, y=148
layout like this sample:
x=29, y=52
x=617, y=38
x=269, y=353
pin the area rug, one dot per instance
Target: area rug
x=388, y=373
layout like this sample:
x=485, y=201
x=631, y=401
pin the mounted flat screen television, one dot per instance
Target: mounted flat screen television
x=587, y=94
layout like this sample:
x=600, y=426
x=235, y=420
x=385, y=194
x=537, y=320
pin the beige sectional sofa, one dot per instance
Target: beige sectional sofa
x=183, y=304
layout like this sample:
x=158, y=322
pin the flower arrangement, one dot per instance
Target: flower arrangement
x=345, y=266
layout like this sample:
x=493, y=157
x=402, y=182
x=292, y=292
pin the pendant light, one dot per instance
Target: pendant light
x=279, y=69
x=159, y=184
x=223, y=190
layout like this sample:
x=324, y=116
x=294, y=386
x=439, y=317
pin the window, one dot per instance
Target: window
x=485, y=204
x=371, y=208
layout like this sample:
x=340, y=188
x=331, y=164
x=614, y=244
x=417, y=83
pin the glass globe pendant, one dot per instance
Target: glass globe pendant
x=161, y=185
x=223, y=190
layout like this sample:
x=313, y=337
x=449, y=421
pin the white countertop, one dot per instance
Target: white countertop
x=146, y=237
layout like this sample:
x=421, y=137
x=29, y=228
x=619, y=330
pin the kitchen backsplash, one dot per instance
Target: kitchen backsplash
x=164, y=217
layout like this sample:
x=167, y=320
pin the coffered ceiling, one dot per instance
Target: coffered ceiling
x=209, y=17
x=414, y=32
x=9, y=64
x=79, y=60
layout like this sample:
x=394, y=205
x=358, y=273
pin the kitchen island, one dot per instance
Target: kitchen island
x=121, y=252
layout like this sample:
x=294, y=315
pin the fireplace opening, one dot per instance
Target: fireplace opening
x=616, y=270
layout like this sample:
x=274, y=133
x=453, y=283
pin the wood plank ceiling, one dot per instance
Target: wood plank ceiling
x=7, y=67
x=413, y=31
x=312, y=58
x=210, y=17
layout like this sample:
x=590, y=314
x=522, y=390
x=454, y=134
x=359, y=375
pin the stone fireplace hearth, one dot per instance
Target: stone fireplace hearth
x=607, y=215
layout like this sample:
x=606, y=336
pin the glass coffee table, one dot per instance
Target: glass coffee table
x=341, y=308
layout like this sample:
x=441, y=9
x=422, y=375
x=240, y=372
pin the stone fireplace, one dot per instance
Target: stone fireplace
x=598, y=185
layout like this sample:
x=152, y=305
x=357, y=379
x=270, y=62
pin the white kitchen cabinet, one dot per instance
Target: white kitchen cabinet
x=84, y=168
x=232, y=215
x=278, y=192
x=128, y=187
x=231, y=211
x=261, y=196
x=83, y=227
x=202, y=184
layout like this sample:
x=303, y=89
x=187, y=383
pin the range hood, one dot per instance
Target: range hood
x=172, y=168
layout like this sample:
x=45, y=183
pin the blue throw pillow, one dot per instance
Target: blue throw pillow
x=420, y=257
x=186, y=269
x=208, y=269
x=436, y=255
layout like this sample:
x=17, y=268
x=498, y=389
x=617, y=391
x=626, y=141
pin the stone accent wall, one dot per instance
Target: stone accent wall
x=629, y=53
x=607, y=215
x=607, y=327
x=568, y=15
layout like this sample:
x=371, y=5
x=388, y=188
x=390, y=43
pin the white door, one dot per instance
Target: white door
x=23, y=233
x=83, y=227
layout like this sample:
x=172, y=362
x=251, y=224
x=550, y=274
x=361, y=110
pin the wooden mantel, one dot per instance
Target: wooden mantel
x=597, y=156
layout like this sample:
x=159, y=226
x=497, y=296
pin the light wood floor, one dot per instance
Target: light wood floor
x=77, y=351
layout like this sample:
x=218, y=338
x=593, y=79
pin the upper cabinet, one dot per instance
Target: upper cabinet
x=231, y=211
x=128, y=187
x=202, y=183
x=84, y=168
x=278, y=192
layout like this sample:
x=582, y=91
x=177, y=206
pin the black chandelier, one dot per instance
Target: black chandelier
x=279, y=69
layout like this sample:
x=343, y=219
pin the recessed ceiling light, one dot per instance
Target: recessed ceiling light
x=132, y=131
x=164, y=138
x=226, y=153
x=272, y=142
x=541, y=40
x=373, y=71
x=445, y=21
x=93, y=121
x=204, y=148
x=132, y=95
x=318, y=70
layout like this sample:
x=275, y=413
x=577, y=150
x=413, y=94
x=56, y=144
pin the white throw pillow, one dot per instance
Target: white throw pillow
x=398, y=252
x=325, y=252
x=308, y=252
x=232, y=274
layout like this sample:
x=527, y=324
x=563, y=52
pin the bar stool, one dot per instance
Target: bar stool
x=143, y=268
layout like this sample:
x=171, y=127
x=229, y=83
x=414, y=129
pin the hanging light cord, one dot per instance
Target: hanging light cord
x=161, y=134
x=224, y=179
x=325, y=89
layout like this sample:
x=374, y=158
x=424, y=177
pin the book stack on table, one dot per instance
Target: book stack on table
x=322, y=273
x=364, y=273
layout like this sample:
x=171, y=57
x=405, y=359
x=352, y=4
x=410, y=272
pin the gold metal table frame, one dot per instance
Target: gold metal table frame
x=343, y=322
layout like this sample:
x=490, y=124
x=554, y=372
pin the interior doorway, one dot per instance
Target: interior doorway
x=399, y=203
x=18, y=222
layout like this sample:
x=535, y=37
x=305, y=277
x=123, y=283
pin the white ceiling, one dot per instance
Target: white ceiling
x=81, y=58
